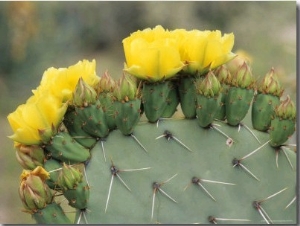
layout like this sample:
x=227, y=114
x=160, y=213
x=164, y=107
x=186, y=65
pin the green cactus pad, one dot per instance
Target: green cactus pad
x=281, y=130
x=211, y=159
x=127, y=115
x=51, y=214
x=263, y=109
x=154, y=97
x=52, y=166
x=107, y=103
x=172, y=102
x=206, y=109
x=238, y=103
x=221, y=112
x=187, y=95
x=78, y=197
x=74, y=127
x=64, y=148
x=93, y=120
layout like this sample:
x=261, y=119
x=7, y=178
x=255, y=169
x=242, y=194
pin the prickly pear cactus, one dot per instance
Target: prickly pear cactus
x=120, y=153
x=225, y=189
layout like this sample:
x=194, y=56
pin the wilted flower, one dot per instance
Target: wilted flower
x=34, y=192
x=29, y=156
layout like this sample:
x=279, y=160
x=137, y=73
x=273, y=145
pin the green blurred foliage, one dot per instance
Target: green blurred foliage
x=37, y=35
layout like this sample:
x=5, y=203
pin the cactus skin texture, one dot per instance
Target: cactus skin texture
x=265, y=101
x=74, y=127
x=263, y=108
x=187, y=90
x=106, y=100
x=154, y=97
x=93, y=120
x=172, y=101
x=283, y=124
x=238, y=103
x=52, y=165
x=127, y=115
x=211, y=159
x=51, y=213
x=64, y=148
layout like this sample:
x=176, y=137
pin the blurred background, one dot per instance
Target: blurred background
x=37, y=35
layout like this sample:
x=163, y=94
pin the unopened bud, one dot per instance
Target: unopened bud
x=286, y=109
x=223, y=75
x=209, y=86
x=126, y=88
x=84, y=94
x=241, y=57
x=106, y=84
x=243, y=77
x=69, y=177
x=270, y=84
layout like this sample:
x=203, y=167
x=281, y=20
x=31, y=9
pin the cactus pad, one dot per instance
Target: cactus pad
x=211, y=159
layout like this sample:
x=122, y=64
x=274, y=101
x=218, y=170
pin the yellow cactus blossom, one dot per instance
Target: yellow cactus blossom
x=206, y=50
x=150, y=35
x=61, y=82
x=152, y=55
x=180, y=35
x=37, y=120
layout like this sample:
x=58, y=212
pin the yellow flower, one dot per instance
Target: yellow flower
x=152, y=55
x=37, y=120
x=205, y=50
x=61, y=82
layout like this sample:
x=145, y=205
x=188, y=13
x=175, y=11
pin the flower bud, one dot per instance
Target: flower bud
x=270, y=84
x=106, y=84
x=286, y=109
x=243, y=78
x=69, y=177
x=241, y=57
x=34, y=192
x=209, y=86
x=84, y=94
x=30, y=156
x=126, y=88
x=222, y=73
